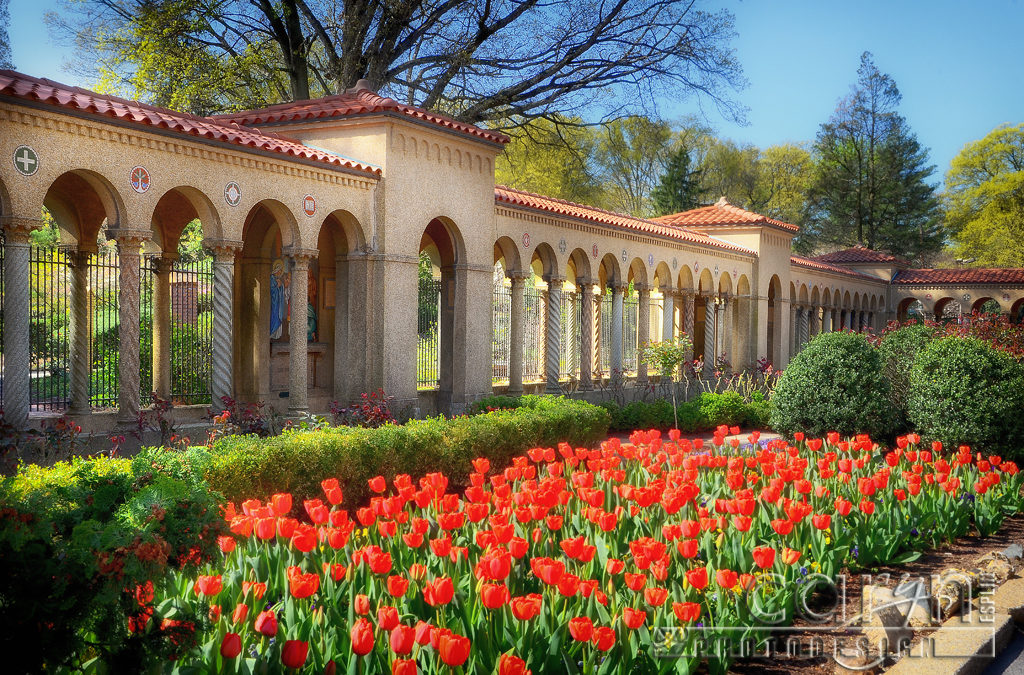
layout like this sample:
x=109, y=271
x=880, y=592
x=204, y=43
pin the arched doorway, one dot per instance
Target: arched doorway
x=437, y=367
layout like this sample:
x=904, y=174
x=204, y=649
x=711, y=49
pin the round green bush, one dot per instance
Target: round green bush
x=834, y=384
x=965, y=392
x=898, y=350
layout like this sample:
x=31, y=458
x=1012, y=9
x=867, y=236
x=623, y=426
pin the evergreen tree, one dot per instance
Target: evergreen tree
x=679, y=187
x=871, y=177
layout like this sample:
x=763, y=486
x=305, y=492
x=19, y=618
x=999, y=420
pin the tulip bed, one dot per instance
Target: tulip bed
x=569, y=560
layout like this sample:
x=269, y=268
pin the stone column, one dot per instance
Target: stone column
x=162, y=325
x=553, y=335
x=222, y=359
x=616, y=346
x=724, y=329
x=794, y=323
x=586, y=289
x=668, y=330
x=710, y=318
x=689, y=319
x=516, y=337
x=643, y=331
x=815, y=322
x=81, y=360
x=17, y=313
x=341, y=375
x=805, y=325
x=129, y=243
x=298, y=343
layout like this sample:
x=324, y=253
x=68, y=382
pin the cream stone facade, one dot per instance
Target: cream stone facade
x=347, y=193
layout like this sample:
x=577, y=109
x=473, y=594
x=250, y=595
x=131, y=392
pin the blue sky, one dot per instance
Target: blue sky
x=957, y=64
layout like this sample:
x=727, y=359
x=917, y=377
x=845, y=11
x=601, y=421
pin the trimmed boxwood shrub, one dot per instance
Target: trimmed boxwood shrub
x=244, y=466
x=77, y=539
x=489, y=403
x=898, y=350
x=963, y=391
x=703, y=413
x=834, y=384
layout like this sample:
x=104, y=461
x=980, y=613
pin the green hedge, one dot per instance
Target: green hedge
x=296, y=462
x=898, y=350
x=75, y=537
x=703, y=413
x=964, y=391
x=834, y=384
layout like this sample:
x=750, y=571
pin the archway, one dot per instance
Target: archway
x=1017, y=311
x=609, y=336
x=336, y=335
x=507, y=288
x=948, y=309
x=440, y=316
x=262, y=307
x=773, y=348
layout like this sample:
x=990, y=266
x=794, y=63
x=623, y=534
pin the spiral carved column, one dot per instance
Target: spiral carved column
x=553, y=335
x=643, y=331
x=298, y=342
x=16, y=304
x=129, y=244
x=222, y=385
x=586, y=334
x=79, y=333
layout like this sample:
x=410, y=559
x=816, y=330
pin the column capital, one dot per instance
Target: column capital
x=128, y=236
x=517, y=276
x=224, y=250
x=17, y=229
x=554, y=279
x=642, y=289
x=301, y=257
x=582, y=282
x=78, y=256
x=163, y=264
x=619, y=288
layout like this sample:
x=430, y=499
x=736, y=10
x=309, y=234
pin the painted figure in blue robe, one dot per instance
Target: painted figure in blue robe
x=278, y=299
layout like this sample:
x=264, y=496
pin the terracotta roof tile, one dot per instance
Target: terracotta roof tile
x=722, y=213
x=815, y=264
x=20, y=86
x=350, y=104
x=511, y=196
x=967, y=275
x=861, y=254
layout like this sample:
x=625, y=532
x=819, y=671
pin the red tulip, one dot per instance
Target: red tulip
x=687, y=548
x=764, y=557
x=581, y=628
x=454, y=649
x=526, y=607
x=302, y=585
x=294, y=653
x=402, y=639
x=361, y=604
x=377, y=484
x=266, y=623
x=614, y=566
x=362, y=637
x=403, y=667
x=510, y=664
x=209, y=585
x=604, y=638
x=438, y=592
x=633, y=618
x=397, y=586
x=686, y=611
x=698, y=578
x=782, y=527
x=281, y=504
x=822, y=521
x=240, y=613
x=231, y=645
x=494, y=596
x=387, y=617
x=226, y=544
x=635, y=581
x=655, y=597
x=726, y=578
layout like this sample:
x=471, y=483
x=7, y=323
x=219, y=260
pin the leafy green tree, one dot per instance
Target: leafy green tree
x=631, y=153
x=666, y=357
x=552, y=158
x=679, y=186
x=870, y=184
x=985, y=198
x=5, y=40
x=480, y=61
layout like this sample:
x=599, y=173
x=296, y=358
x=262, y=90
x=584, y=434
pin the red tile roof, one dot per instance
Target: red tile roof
x=815, y=264
x=861, y=254
x=513, y=197
x=722, y=213
x=956, y=277
x=362, y=101
x=19, y=86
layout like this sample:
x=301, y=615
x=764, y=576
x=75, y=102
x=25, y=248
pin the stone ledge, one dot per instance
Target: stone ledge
x=958, y=647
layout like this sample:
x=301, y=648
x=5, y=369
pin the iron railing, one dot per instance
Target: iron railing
x=192, y=330
x=569, y=361
x=104, y=340
x=428, y=346
x=49, y=326
x=630, y=321
x=534, y=307
x=501, y=339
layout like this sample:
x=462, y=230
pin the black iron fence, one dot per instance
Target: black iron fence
x=192, y=330
x=49, y=328
x=502, y=336
x=104, y=340
x=428, y=344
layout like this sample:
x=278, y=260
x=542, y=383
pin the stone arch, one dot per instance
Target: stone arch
x=1017, y=311
x=802, y=294
x=544, y=262
x=947, y=308
x=507, y=253
x=609, y=272
x=909, y=307
x=331, y=326
x=637, y=272
x=175, y=209
x=684, y=280
x=663, y=277
x=773, y=334
x=81, y=202
x=978, y=304
x=6, y=208
x=706, y=284
x=443, y=241
x=725, y=285
x=579, y=266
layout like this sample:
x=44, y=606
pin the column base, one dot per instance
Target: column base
x=514, y=392
x=550, y=388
